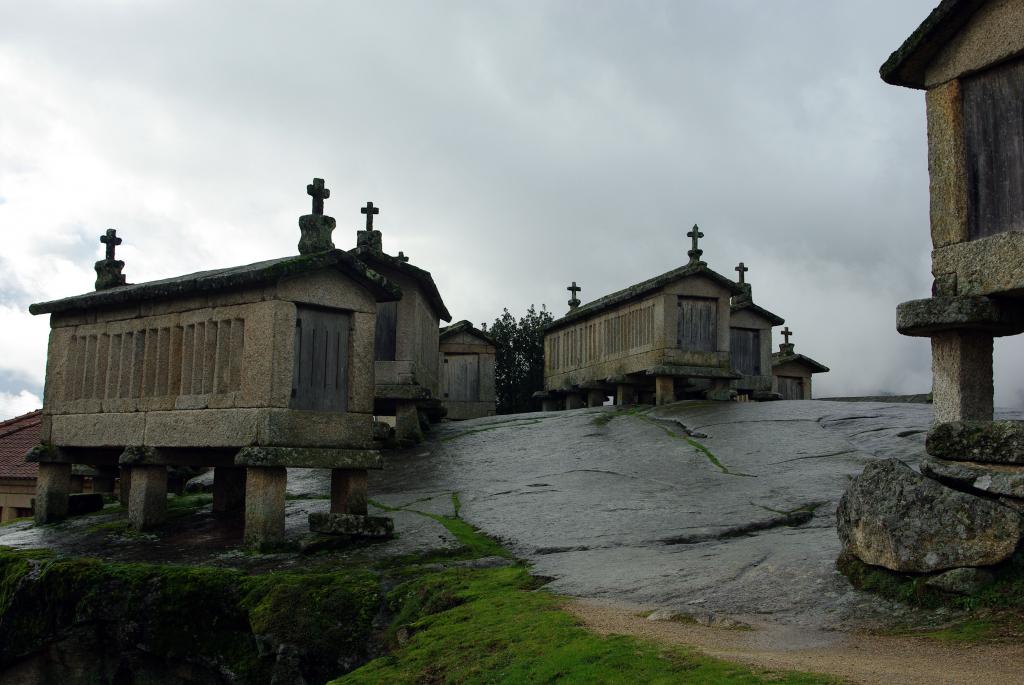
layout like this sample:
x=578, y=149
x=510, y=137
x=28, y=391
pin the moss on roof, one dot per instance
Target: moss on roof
x=906, y=66
x=465, y=326
x=231, y=278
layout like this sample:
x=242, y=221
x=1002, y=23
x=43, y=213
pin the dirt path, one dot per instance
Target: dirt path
x=853, y=658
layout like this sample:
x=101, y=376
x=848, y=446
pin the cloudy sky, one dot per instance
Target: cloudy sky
x=512, y=146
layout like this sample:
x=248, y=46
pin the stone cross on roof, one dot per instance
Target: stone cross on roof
x=574, y=289
x=401, y=257
x=786, y=333
x=319, y=193
x=111, y=241
x=369, y=210
x=742, y=269
x=695, y=252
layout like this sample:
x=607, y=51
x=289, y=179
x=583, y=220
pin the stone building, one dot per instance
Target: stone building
x=408, y=381
x=17, y=476
x=791, y=372
x=664, y=338
x=467, y=371
x=968, y=57
x=750, y=342
x=247, y=369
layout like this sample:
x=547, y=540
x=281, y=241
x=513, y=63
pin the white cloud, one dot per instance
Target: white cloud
x=12, y=405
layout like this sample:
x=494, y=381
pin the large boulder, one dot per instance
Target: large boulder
x=894, y=517
x=989, y=441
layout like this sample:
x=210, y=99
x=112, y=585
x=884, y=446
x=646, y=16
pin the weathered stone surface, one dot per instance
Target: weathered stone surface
x=1000, y=442
x=352, y=524
x=147, y=497
x=961, y=581
x=893, y=517
x=947, y=165
x=925, y=317
x=986, y=266
x=994, y=479
x=264, y=505
x=316, y=233
x=53, y=484
x=309, y=457
x=962, y=387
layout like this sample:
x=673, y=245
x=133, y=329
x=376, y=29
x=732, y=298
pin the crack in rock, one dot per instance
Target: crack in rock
x=788, y=519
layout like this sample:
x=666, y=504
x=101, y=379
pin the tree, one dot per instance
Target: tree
x=519, y=361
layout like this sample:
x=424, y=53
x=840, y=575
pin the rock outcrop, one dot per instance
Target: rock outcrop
x=892, y=516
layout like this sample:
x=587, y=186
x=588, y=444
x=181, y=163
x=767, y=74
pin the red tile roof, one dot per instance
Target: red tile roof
x=18, y=436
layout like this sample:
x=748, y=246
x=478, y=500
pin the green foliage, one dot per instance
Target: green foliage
x=519, y=360
x=494, y=626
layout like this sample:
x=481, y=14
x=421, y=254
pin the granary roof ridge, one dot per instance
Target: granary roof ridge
x=225, y=279
x=641, y=289
x=774, y=319
x=906, y=66
x=465, y=326
x=816, y=367
x=381, y=258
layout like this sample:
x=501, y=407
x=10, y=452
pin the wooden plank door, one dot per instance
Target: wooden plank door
x=320, y=372
x=698, y=324
x=745, y=350
x=791, y=387
x=462, y=377
x=385, y=339
x=993, y=102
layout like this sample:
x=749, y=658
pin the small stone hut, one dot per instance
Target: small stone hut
x=408, y=382
x=248, y=369
x=792, y=372
x=467, y=371
x=660, y=339
x=750, y=343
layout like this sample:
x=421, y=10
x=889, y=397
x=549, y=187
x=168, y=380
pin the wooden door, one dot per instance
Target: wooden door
x=791, y=387
x=386, y=332
x=320, y=372
x=698, y=324
x=745, y=350
x=462, y=377
x=993, y=102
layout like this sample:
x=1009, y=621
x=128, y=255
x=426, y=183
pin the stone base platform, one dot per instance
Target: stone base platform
x=352, y=524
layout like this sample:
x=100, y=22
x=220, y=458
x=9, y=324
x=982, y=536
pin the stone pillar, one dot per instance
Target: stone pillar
x=574, y=401
x=348, y=491
x=407, y=422
x=962, y=376
x=596, y=398
x=264, y=505
x=228, y=489
x=124, y=485
x=664, y=389
x=624, y=394
x=147, y=499
x=550, y=404
x=721, y=391
x=53, y=485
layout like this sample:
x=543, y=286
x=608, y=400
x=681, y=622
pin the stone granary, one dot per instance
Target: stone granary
x=791, y=371
x=248, y=369
x=467, y=371
x=408, y=383
x=750, y=342
x=664, y=338
x=968, y=56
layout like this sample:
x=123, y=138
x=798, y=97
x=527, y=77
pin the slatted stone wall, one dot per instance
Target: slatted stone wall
x=611, y=335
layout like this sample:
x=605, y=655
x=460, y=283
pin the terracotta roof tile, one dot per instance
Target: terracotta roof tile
x=18, y=436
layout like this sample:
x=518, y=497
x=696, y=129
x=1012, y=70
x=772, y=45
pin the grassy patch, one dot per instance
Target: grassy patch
x=694, y=444
x=976, y=630
x=474, y=544
x=512, y=423
x=493, y=626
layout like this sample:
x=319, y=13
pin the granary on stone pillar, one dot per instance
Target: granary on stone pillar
x=406, y=342
x=248, y=369
x=791, y=372
x=969, y=58
x=659, y=340
x=750, y=343
x=467, y=371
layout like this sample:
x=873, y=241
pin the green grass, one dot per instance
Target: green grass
x=975, y=630
x=474, y=544
x=493, y=626
x=715, y=461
